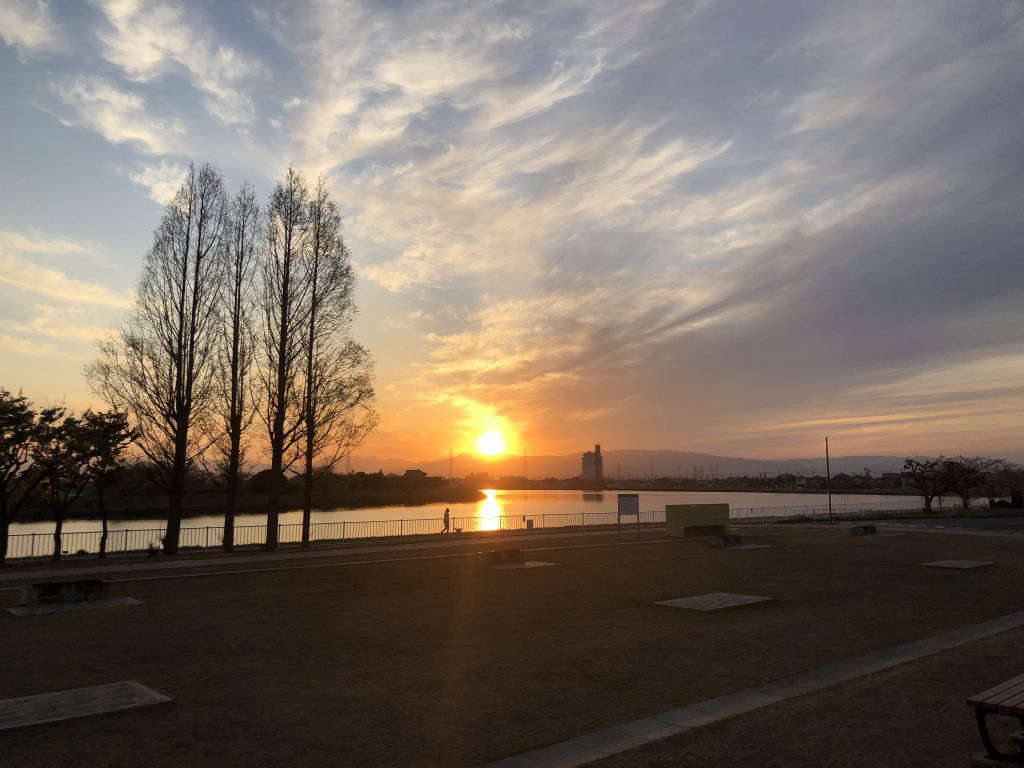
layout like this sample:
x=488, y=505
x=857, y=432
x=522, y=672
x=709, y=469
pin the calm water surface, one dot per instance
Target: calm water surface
x=498, y=503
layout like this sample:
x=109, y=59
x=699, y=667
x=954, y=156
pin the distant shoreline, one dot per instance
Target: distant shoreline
x=257, y=504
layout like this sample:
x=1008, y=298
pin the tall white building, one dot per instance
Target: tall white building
x=593, y=465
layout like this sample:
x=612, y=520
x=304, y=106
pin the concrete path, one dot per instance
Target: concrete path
x=623, y=736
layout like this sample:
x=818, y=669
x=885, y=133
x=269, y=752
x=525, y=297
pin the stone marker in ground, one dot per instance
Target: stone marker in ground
x=521, y=566
x=962, y=565
x=84, y=605
x=714, y=601
x=79, y=702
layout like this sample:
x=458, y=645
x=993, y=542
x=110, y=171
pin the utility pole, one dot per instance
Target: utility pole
x=828, y=480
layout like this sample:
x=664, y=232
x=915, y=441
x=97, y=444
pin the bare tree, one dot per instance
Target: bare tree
x=240, y=256
x=20, y=428
x=160, y=369
x=337, y=402
x=284, y=309
x=964, y=473
x=927, y=477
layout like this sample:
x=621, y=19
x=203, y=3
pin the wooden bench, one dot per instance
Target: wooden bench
x=504, y=556
x=47, y=592
x=867, y=529
x=1006, y=700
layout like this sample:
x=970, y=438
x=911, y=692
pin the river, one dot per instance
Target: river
x=498, y=504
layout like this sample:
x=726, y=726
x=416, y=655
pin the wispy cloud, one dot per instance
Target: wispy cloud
x=118, y=115
x=28, y=26
x=26, y=275
x=161, y=180
x=146, y=39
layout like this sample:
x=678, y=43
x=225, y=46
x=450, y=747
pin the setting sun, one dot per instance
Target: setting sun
x=491, y=443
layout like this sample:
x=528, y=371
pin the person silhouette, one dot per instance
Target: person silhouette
x=447, y=521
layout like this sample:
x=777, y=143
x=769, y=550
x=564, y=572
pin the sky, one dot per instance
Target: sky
x=730, y=227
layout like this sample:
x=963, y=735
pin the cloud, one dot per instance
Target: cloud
x=21, y=346
x=35, y=243
x=146, y=39
x=26, y=275
x=117, y=115
x=28, y=26
x=160, y=179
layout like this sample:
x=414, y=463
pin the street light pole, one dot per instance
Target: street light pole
x=828, y=480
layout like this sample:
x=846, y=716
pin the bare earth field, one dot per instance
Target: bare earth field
x=442, y=660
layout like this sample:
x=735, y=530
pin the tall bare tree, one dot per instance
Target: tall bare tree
x=235, y=405
x=20, y=428
x=337, y=401
x=283, y=303
x=159, y=371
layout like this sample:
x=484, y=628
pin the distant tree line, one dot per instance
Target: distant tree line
x=242, y=317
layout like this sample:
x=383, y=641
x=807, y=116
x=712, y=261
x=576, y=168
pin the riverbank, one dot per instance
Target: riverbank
x=526, y=659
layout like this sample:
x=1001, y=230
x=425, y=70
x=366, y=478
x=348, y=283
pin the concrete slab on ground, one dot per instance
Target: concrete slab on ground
x=78, y=702
x=963, y=565
x=82, y=605
x=714, y=601
x=521, y=566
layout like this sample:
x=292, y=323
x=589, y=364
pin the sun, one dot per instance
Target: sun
x=491, y=443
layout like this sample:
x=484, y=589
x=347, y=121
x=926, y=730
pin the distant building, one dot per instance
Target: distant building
x=593, y=466
x=415, y=474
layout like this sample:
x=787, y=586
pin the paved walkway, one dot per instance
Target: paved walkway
x=624, y=736
x=92, y=567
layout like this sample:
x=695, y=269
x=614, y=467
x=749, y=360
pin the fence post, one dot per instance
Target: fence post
x=343, y=529
x=33, y=545
x=207, y=544
x=401, y=527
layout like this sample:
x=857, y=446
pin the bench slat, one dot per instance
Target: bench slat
x=1006, y=697
x=985, y=696
x=1011, y=704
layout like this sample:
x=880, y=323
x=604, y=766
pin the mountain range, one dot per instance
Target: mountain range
x=629, y=463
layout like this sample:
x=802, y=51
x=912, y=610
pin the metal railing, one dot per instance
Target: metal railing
x=140, y=541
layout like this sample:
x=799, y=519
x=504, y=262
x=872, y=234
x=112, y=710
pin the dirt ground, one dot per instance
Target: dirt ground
x=912, y=716
x=446, y=661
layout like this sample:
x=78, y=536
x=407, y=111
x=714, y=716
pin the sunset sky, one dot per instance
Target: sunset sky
x=729, y=227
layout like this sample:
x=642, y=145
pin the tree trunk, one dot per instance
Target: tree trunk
x=274, y=509
x=5, y=526
x=232, y=489
x=173, y=523
x=927, y=503
x=103, y=520
x=58, y=529
x=307, y=501
x=229, y=516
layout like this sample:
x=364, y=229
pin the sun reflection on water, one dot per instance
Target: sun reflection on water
x=488, y=511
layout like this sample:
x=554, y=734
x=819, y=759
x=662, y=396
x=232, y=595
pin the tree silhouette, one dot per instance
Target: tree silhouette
x=159, y=371
x=20, y=427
